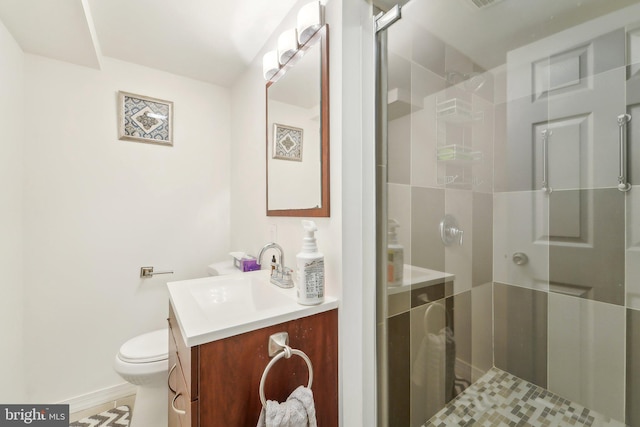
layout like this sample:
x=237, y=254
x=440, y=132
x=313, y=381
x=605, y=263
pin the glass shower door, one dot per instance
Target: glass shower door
x=508, y=160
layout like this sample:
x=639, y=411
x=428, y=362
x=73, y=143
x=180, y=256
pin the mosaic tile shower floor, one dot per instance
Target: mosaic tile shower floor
x=501, y=399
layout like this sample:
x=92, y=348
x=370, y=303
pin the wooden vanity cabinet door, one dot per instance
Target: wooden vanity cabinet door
x=188, y=356
x=231, y=368
x=184, y=403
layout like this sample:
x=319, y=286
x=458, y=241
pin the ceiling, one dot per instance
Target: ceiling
x=215, y=40
x=208, y=40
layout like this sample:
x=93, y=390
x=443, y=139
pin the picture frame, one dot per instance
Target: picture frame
x=287, y=142
x=145, y=119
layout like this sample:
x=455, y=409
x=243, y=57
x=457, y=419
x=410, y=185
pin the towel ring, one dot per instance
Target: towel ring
x=286, y=353
x=425, y=320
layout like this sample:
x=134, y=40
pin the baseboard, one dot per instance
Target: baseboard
x=99, y=397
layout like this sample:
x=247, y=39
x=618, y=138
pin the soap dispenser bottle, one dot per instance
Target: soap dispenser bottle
x=310, y=266
x=395, y=255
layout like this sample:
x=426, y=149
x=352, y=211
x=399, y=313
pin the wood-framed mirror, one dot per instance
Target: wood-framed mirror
x=297, y=134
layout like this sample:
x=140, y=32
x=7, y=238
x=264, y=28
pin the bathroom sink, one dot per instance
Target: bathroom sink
x=218, y=307
x=237, y=295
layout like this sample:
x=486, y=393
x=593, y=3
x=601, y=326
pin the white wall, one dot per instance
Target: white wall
x=250, y=227
x=97, y=209
x=11, y=259
x=347, y=238
x=358, y=316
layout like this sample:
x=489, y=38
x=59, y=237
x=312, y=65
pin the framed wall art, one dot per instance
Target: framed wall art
x=287, y=142
x=145, y=119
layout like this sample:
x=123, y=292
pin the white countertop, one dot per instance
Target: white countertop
x=218, y=307
x=417, y=277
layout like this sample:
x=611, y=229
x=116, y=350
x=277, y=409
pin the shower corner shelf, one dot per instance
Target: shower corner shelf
x=451, y=181
x=458, y=111
x=457, y=153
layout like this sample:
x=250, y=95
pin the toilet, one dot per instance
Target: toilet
x=144, y=362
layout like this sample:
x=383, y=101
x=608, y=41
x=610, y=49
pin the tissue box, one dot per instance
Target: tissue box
x=249, y=264
x=244, y=262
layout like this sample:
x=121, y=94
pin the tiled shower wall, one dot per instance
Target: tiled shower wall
x=565, y=316
x=449, y=323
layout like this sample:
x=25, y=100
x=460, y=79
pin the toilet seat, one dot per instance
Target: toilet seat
x=146, y=348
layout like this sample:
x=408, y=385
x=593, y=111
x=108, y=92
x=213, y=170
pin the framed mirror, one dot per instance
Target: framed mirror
x=298, y=133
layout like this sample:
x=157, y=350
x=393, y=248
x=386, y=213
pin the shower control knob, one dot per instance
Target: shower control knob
x=520, y=258
x=450, y=231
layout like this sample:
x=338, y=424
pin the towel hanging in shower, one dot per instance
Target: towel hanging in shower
x=433, y=368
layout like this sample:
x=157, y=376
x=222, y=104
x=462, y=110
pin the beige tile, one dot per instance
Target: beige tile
x=520, y=226
x=425, y=128
x=633, y=248
x=586, y=244
x=482, y=243
x=482, y=137
x=399, y=208
x=500, y=169
x=587, y=353
x=633, y=368
x=459, y=204
x=462, y=332
x=481, y=330
x=427, y=209
x=399, y=152
x=520, y=332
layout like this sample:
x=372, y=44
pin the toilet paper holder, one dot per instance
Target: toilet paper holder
x=146, y=272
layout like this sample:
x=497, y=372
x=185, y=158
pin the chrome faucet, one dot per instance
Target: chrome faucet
x=275, y=246
x=281, y=275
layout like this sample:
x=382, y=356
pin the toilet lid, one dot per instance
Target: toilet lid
x=149, y=347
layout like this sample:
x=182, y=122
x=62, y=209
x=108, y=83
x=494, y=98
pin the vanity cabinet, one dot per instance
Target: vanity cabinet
x=217, y=384
x=183, y=379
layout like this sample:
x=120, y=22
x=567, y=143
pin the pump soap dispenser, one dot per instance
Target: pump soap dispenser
x=310, y=264
x=395, y=255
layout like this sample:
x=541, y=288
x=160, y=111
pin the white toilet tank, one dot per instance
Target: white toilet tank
x=222, y=268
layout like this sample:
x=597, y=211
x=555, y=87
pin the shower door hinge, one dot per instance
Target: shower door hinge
x=382, y=21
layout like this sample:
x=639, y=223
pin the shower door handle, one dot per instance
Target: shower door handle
x=546, y=133
x=623, y=120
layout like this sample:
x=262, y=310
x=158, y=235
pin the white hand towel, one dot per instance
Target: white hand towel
x=433, y=369
x=298, y=411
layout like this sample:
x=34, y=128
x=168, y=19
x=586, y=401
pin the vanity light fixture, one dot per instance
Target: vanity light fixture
x=287, y=45
x=270, y=64
x=309, y=21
